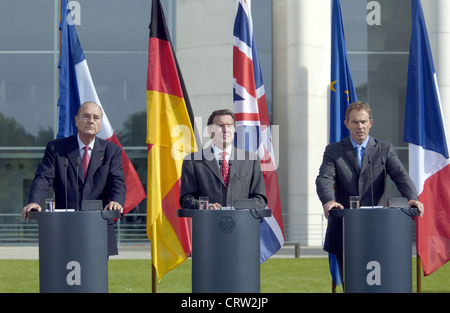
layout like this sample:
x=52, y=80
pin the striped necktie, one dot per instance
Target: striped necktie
x=225, y=169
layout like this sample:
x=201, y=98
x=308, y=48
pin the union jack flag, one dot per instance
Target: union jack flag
x=253, y=129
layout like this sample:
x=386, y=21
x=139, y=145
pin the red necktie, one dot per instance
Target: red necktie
x=225, y=169
x=85, y=160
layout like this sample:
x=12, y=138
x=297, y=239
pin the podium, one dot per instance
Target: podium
x=377, y=249
x=225, y=250
x=73, y=251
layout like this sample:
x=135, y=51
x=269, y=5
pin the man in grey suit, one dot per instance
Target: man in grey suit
x=202, y=171
x=342, y=175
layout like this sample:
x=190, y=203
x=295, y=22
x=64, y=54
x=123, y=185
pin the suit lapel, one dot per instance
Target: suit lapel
x=97, y=156
x=211, y=163
x=351, y=154
x=368, y=153
x=73, y=153
x=233, y=165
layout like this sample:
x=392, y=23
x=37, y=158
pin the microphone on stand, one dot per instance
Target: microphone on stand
x=383, y=161
x=220, y=184
x=229, y=183
x=66, y=165
x=78, y=165
x=371, y=177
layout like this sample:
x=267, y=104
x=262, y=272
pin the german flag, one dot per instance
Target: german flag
x=170, y=136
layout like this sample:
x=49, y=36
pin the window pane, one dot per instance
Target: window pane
x=381, y=81
x=392, y=33
x=27, y=103
x=17, y=168
x=114, y=25
x=120, y=81
x=27, y=25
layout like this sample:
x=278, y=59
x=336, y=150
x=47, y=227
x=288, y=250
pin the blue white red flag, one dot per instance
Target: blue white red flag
x=77, y=87
x=252, y=122
x=428, y=148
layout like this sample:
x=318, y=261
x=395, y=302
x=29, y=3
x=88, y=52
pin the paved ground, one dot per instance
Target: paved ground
x=143, y=252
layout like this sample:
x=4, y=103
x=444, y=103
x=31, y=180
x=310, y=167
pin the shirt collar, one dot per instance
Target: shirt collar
x=364, y=144
x=218, y=151
x=81, y=144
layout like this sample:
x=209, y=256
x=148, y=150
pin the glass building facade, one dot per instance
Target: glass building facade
x=114, y=37
x=377, y=35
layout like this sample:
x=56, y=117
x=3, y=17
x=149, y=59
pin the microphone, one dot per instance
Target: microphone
x=220, y=186
x=78, y=165
x=383, y=161
x=229, y=183
x=66, y=165
x=371, y=177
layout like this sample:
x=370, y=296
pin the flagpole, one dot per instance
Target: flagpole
x=418, y=274
x=418, y=260
x=55, y=131
x=60, y=17
x=153, y=278
x=418, y=265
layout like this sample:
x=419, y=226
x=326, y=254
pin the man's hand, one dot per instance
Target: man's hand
x=29, y=207
x=330, y=205
x=114, y=206
x=416, y=204
x=214, y=206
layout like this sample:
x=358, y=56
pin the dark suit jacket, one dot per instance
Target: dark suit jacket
x=105, y=179
x=340, y=177
x=201, y=176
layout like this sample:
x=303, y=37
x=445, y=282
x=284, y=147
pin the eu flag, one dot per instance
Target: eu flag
x=342, y=94
x=342, y=89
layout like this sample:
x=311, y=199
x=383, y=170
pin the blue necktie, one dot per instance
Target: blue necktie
x=358, y=155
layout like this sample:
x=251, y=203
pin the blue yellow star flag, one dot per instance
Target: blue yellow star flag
x=342, y=90
x=342, y=93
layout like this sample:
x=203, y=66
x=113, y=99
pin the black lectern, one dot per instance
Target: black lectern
x=73, y=250
x=225, y=249
x=377, y=249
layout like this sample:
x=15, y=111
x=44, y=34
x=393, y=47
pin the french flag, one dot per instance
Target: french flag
x=252, y=123
x=428, y=148
x=77, y=87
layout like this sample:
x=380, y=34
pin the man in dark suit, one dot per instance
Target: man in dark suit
x=202, y=171
x=62, y=167
x=341, y=175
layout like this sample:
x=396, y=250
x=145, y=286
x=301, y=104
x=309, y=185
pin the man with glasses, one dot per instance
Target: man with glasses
x=81, y=167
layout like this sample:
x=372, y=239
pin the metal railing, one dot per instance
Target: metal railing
x=132, y=229
x=15, y=231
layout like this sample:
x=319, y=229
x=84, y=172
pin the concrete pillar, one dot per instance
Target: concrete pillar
x=301, y=74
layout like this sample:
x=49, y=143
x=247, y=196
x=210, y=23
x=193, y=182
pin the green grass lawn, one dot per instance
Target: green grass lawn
x=301, y=275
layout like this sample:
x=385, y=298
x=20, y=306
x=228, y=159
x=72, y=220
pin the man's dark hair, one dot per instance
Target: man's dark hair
x=221, y=112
